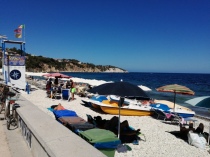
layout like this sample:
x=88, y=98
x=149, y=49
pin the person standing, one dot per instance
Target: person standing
x=56, y=81
x=68, y=85
x=72, y=90
x=49, y=87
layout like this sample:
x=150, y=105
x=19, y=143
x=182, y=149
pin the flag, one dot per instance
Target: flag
x=18, y=30
x=18, y=35
x=21, y=26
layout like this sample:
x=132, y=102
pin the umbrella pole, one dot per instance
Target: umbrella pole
x=209, y=135
x=119, y=123
x=174, y=100
x=121, y=101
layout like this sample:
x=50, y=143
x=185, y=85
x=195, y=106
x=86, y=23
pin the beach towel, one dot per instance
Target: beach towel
x=64, y=113
x=76, y=124
x=50, y=109
x=196, y=140
x=104, y=140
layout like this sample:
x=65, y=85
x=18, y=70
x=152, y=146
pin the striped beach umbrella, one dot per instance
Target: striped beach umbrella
x=176, y=89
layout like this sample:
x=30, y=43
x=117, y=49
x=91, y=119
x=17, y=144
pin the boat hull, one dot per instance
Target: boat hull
x=125, y=112
x=95, y=106
x=183, y=114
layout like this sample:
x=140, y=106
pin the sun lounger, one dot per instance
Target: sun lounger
x=159, y=114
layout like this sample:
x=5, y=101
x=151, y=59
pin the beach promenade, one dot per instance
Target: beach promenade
x=12, y=143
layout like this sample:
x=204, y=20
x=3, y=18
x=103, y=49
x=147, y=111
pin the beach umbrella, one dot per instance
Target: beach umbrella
x=122, y=89
x=59, y=75
x=176, y=89
x=203, y=101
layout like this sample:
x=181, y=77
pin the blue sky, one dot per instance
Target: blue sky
x=136, y=35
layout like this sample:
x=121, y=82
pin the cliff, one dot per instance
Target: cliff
x=46, y=64
x=70, y=67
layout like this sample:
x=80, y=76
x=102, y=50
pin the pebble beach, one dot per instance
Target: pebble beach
x=157, y=141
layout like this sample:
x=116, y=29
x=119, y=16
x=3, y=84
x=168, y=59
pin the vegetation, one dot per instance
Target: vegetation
x=46, y=64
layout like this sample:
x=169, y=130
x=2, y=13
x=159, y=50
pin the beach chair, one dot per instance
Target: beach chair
x=185, y=121
x=55, y=93
x=159, y=114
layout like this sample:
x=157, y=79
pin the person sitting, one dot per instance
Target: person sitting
x=81, y=90
x=100, y=122
x=112, y=125
x=199, y=129
x=59, y=89
x=127, y=135
x=184, y=131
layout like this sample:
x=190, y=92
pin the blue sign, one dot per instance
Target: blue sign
x=14, y=60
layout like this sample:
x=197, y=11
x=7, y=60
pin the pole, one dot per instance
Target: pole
x=2, y=43
x=209, y=134
x=120, y=102
x=24, y=39
x=27, y=88
x=119, y=124
x=174, y=100
x=8, y=69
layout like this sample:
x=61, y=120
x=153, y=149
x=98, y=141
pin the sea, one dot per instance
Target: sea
x=199, y=83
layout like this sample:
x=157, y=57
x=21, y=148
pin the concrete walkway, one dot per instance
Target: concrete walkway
x=4, y=146
x=12, y=143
